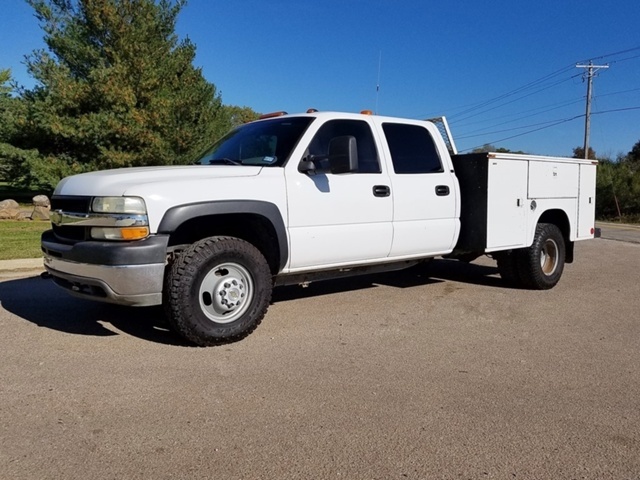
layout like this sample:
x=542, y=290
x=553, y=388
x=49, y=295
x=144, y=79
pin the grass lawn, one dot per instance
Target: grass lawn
x=21, y=239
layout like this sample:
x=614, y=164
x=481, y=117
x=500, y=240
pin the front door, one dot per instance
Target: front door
x=339, y=219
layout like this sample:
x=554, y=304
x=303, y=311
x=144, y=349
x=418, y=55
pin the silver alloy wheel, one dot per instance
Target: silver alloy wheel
x=549, y=257
x=226, y=292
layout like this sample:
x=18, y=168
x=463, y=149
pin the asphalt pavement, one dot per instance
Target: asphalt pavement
x=441, y=373
x=620, y=231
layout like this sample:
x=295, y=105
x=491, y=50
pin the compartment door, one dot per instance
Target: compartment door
x=587, y=201
x=507, y=204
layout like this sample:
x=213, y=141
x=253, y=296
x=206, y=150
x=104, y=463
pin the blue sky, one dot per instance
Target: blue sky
x=431, y=58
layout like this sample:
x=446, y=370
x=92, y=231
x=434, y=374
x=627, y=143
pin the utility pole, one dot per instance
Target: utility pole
x=590, y=73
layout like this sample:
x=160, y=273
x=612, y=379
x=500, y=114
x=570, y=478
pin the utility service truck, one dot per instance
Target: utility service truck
x=290, y=199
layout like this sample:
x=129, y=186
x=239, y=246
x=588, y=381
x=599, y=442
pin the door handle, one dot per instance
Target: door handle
x=381, y=191
x=442, y=190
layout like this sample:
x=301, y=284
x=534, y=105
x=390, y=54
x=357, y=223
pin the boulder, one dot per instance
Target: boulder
x=40, y=213
x=9, y=209
x=41, y=201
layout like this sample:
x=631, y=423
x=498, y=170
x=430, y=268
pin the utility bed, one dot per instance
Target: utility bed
x=504, y=194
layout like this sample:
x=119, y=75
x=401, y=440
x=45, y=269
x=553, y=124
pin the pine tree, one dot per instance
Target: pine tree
x=115, y=88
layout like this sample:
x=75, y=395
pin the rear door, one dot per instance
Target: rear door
x=424, y=191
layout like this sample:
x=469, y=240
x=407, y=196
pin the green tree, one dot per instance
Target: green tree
x=633, y=157
x=487, y=147
x=5, y=78
x=578, y=152
x=5, y=103
x=11, y=108
x=618, y=189
x=236, y=116
x=116, y=88
x=5, y=89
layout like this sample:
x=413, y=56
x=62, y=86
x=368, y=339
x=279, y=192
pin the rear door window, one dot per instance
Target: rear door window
x=412, y=149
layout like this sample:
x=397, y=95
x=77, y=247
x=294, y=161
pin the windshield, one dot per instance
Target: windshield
x=268, y=143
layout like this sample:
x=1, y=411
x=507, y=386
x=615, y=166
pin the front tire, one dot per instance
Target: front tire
x=541, y=265
x=218, y=290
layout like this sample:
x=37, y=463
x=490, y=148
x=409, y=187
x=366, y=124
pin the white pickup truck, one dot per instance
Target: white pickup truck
x=291, y=199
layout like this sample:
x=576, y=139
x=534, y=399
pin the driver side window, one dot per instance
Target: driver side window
x=368, y=161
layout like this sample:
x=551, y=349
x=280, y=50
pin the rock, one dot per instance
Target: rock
x=40, y=213
x=9, y=209
x=41, y=209
x=41, y=201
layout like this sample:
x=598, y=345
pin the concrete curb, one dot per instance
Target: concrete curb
x=21, y=266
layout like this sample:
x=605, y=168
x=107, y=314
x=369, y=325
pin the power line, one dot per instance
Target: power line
x=555, y=122
x=514, y=100
x=632, y=49
x=528, y=132
x=616, y=110
x=476, y=106
x=515, y=91
x=619, y=92
x=536, y=86
x=624, y=59
x=539, y=111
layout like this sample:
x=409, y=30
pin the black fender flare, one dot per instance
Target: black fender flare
x=177, y=215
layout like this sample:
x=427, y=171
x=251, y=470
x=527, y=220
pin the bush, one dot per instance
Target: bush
x=618, y=190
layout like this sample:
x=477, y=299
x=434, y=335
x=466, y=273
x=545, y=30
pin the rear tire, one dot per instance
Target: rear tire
x=541, y=265
x=218, y=290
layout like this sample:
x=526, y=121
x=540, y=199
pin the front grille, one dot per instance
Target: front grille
x=71, y=234
x=73, y=204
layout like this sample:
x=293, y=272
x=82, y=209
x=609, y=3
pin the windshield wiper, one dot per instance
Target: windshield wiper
x=225, y=160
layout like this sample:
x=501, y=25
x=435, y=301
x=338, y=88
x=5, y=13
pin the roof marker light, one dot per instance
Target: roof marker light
x=272, y=115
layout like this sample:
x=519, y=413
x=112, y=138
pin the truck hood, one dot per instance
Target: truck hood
x=117, y=182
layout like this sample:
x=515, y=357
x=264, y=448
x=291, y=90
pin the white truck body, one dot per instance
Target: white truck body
x=350, y=193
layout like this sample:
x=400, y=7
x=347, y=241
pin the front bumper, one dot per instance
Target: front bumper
x=125, y=273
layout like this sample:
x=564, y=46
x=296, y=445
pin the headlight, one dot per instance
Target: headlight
x=119, y=218
x=134, y=205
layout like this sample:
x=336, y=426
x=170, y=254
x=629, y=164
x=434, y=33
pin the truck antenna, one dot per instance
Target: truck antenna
x=378, y=83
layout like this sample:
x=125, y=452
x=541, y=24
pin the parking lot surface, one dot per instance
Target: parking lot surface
x=620, y=231
x=440, y=373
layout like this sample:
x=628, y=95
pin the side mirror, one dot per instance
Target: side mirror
x=307, y=166
x=343, y=154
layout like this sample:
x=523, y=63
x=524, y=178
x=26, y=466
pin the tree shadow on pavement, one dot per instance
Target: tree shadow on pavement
x=41, y=302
